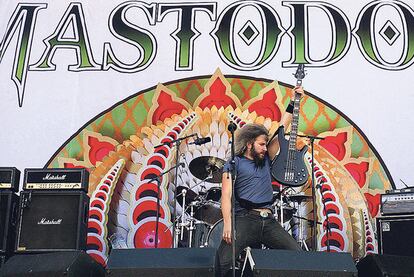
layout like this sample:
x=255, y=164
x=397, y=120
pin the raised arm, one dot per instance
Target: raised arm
x=273, y=146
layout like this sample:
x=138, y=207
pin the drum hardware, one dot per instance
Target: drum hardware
x=298, y=199
x=158, y=180
x=281, y=205
x=285, y=212
x=184, y=192
x=186, y=197
x=176, y=143
x=207, y=168
x=209, y=208
x=192, y=221
x=190, y=195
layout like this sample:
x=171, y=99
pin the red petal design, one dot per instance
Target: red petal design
x=94, y=243
x=166, y=107
x=71, y=165
x=335, y=145
x=217, y=97
x=267, y=106
x=373, y=203
x=99, y=149
x=146, y=209
x=358, y=172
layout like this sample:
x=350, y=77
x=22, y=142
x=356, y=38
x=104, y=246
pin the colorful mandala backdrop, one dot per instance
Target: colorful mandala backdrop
x=117, y=147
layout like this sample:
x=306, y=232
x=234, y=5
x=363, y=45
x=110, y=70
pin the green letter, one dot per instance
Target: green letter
x=24, y=18
x=186, y=33
x=367, y=35
x=299, y=33
x=142, y=39
x=269, y=31
x=73, y=18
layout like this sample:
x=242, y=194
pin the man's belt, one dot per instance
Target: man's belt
x=261, y=213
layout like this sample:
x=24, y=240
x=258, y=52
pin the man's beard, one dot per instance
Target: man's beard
x=259, y=161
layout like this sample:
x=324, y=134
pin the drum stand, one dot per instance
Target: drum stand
x=301, y=238
x=281, y=204
x=184, y=222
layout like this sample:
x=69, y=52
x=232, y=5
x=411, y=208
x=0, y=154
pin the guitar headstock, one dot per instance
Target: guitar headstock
x=300, y=73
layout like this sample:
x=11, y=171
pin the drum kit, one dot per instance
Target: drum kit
x=201, y=223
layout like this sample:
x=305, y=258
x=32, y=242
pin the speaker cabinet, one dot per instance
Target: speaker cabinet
x=284, y=263
x=9, y=178
x=395, y=235
x=386, y=265
x=52, y=221
x=2, y=260
x=175, y=262
x=8, y=218
x=67, y=263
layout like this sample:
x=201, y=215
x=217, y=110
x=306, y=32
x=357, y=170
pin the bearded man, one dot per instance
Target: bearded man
x=255, y=223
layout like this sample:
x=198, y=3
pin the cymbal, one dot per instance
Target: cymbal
x=190, y=195
x=207, y=168
x=300, y=197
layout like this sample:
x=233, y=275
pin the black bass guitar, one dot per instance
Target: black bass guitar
x=288, y=167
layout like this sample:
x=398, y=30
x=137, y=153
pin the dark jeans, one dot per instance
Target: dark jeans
x=253, y=230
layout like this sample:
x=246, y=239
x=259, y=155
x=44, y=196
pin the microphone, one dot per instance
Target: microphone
x=200, y=141
x=232, y=127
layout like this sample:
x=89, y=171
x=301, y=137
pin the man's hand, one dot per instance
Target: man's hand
x=298, y=89
x=227, y=233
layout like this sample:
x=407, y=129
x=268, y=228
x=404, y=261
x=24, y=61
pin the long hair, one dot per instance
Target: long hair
x=248, y=134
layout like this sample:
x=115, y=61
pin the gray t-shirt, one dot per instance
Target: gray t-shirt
x=253, y=188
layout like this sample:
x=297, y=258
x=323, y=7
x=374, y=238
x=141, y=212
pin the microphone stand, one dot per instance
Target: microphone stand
x=232, y=128
x=314, y=224
x=328, y=225
x=177, y=143
x=158, y=179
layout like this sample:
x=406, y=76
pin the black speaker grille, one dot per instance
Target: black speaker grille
x=8, y=207
x=52, y=221
x=286, y=263
x=395, y=235
x=65, y=263
x=175, y=262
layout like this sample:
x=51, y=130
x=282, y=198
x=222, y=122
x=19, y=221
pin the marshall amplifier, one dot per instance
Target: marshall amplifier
x=8, y=218
x=9, y=178
x=52, y=221
x=395, y=203
x=395, y=235
x=56, y=179
x=2, y=260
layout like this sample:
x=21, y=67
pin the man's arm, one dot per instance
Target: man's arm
x=226, y=193
x=273, y=146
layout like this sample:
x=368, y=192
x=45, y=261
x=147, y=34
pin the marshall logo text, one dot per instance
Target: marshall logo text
x=51, y=177
x=45, y=221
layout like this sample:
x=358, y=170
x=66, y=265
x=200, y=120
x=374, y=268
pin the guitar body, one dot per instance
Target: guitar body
x=289, y=169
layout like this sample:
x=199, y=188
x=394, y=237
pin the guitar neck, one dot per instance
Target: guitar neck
x=295, y=122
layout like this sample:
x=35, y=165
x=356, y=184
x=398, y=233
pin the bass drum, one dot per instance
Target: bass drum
x=215, y=235
x=210, y=211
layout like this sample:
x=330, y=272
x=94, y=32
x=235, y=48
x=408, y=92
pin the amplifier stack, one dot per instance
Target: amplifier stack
x=9, y=185
x=398, y=202
x=53, y=211
x=396, y=223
